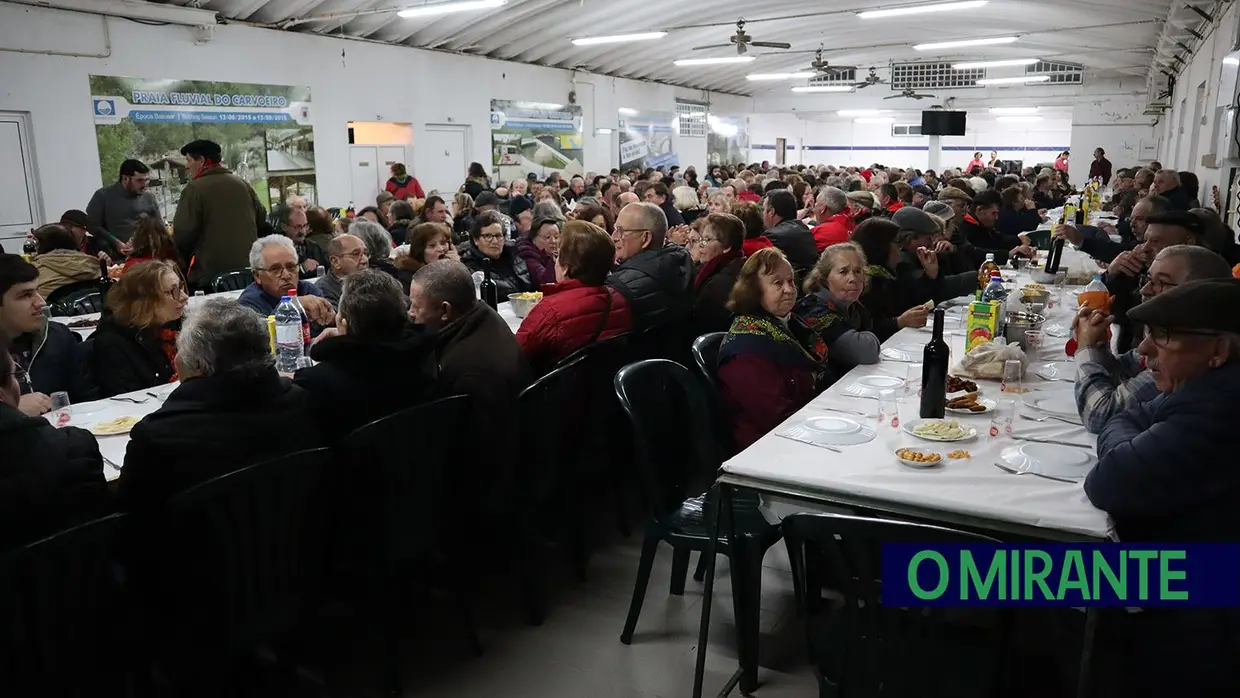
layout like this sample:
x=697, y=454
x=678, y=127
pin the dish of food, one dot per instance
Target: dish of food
x=526, y=296
x=916, y=458
x=84, y=323
x=939, y=430
x=959, y=455
x=957, y=385
x=114, y=427
x=969, y=403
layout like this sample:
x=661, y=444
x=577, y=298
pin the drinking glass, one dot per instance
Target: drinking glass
x=888, y=415
x=1012, y=370
x=1035, y=341
x=60, y=408
x=912, y=379
x=1001, y=421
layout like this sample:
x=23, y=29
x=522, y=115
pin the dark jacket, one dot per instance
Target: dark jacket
x=49, y=478
x=51, y=361
x=214, y=425
x=673, y=216
x=402, y=276
x=1101, y=168
x=1047, y=200
x=1101, y=247
x=308, y=249
x=690, y=215
x=984, y=240
x=796, y=241
x=125, y=359
x=508, y=272
x=541, y=265
x=256, y=299
x=400, y=231
x=658, y=285
x=887, y=297
x=570, y=316
x=1013, y=222
x=358, y=381
x=916, y=287
x=1125, y=291
x=218, y=218
x=1178, y=198
x=712, y=288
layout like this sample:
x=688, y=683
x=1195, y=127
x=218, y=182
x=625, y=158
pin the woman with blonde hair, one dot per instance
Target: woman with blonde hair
x=718, y=202
x=685, y=199
x=135, y=343
x=831, y=307
x=462, y=215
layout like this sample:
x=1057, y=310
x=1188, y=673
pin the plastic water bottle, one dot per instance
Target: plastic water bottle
x=994, y=290
x=289, y=345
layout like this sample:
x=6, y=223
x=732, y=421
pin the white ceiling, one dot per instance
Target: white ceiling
x=1111, y=38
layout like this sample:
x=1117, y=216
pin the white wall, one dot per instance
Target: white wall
x=349, y=80
x=1115, y=124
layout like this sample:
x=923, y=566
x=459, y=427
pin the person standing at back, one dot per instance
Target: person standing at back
x=114, y=210
x=218, y=216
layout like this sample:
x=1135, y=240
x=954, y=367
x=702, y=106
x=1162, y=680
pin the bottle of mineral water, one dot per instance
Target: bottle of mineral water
x=289, y=346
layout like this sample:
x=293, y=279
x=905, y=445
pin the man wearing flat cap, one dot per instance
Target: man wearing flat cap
x=919, y=262
x=1167, y=472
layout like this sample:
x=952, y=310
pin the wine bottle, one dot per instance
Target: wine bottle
x=488, y=289
x=105, y=281
x=1052, y=260
x=935, y=358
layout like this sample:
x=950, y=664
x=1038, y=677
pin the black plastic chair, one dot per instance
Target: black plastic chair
x=862, y=648
x=236, y=568
x=706, y=356
x=82, y=300
x=89, y=303
x=60, y=610
x=70, y=292
x=231, y=281
x=677, y=448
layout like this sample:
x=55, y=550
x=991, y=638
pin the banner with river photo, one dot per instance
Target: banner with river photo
x=533, y=137
x=646, y=140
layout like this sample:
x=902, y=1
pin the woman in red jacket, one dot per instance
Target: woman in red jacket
x=403, y=185
x=765, y=372
x=751, y=216
x=578, y=310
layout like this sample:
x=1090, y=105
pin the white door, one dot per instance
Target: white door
x=442, y=153
x=388, y=156
x=19, y=190
x=364, y=173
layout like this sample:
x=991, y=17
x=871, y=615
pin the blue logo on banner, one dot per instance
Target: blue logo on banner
x=105, y=107
x=1061, y=574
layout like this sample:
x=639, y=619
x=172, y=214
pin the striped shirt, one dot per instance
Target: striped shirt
x=1107, y=385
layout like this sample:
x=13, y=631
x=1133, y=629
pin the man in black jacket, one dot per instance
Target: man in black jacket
x=46, y=352
x=1167, y=185
x=789, y=233
x=374, y=362
x=978, y=228
x=655, y=278
x=659, y=195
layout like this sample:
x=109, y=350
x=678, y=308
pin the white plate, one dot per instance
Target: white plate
x=969, y=432
x=872, y=386
x=919, y=465
x=1050, y=459
x=906, y=352
x=988, y=404
x=1057, y=402
x=1057, y=370
x=836, y=431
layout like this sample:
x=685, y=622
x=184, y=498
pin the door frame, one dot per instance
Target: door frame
x=466, y=132
x=34, y=193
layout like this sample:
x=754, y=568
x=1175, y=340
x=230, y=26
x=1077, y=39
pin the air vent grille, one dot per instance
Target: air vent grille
x=932, y=75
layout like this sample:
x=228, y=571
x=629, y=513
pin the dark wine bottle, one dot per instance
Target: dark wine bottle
x=1053, y=259
x=934, y=372
x=488, y=289
x=1080, y=214
x=105, y=281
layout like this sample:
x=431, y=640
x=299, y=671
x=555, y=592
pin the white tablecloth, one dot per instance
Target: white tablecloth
x=973, y=493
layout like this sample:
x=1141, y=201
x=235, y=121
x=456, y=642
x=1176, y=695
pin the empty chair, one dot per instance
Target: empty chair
x=677, y=454
x=859, y=647
x=706, y=356
x=232, y=281
x=89, y=303
x=69, y=293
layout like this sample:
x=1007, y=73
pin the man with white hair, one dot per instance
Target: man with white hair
x=655, y=278
x=1167, y=185
x=297, y=202
x=232, y=409
x=835, y=225
x=273, y=261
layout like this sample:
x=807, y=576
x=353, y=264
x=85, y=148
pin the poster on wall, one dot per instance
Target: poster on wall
x=531, y=137
x=646, y=140
x=264, y=131
x=727, y=139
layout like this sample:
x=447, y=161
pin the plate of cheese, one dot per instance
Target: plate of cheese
x=114, y=427
x=939, y=430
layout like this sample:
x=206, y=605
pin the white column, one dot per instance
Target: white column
x=936, y=153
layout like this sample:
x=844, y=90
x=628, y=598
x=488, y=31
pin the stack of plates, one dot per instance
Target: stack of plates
x=1051, y=460
x=907, y=352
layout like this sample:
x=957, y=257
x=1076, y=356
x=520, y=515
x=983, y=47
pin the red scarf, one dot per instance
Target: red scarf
x=708, y=269
x=168, y=340
x=968, y=218
x=206, y=165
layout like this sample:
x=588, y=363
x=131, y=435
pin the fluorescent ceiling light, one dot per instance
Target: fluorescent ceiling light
x=861, y=112
x=1017, y=80
x=921, y=9
x=779, y=76
x=627, y=111
x=714, y=61
x=824, y=88
x=1018, y=119
x=539, y=105
x=965, y=42
x=443, y=8
x=618, y=38
x=875, y=120
x=602, y=132
x=1231, y=60
x=1011, y=62
x=1013, y=111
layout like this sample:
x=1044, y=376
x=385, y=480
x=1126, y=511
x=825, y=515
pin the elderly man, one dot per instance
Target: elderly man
x=919, y=271
x=346, y=254
x=789, y=233
x=1167, y=185
x=231, y=410
x=295, y=227
x=655, y=278
x=1106, y=384
x=625, y=199
x=834, y=223
x=273, y=261
x=743, y=192
x=113, y=210
x=1101, y=247
x=659, y=195
x=1143, y=180
x=374, y=362
x=297, y=202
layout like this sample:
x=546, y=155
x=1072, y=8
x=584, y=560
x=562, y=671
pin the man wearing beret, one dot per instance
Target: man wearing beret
x=919, y=262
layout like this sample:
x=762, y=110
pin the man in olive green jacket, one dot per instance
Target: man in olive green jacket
x=218, y=217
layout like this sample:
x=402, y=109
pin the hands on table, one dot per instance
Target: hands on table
x=34, y=404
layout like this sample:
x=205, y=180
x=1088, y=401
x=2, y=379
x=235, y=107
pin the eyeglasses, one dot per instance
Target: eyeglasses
x=707, y=239
x=491, y=237
x=618, y=233
x=176, y=291
x=1158, y=286
x=355, y=255
x=1162, y=336
x=275, y=269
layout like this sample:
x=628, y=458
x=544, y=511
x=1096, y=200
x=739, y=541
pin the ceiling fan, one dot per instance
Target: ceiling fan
x=821, y=67
x=871, y=79
x=910, y=94
x=742, y=41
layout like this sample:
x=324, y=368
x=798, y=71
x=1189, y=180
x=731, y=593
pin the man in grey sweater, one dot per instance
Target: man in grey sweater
x=114, y=209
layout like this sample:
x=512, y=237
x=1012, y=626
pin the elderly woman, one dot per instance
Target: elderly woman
x=685, y=199
x=135, y=343
x=765, y=373
x=579, y=309
x=428, y=242
x=539, y=248
x=719, y=249
x=379, y=250
x=832, y=308
x=861, y=206
x=151, y=241
x=59, y=261
x=487, y=251
x=550, y=194
x=893, y=304
x=718, y=202
x=596, y=214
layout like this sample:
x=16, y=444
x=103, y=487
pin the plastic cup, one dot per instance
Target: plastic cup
x=1012, y=370
x=888, y=415
x=61, y=411
x=1035, y=341
x=1001, y=421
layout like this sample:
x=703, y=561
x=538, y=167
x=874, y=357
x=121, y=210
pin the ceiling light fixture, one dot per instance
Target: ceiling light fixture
x=618, y=38
x=861, y=112
x=444, y=8
x=713, y=61
x=1019, y=119
x=875, y=120
x=627, y=111
x=1011, y=62
x=1013, y=111
x=1017, y=80
x=779, y=76
x=965, y=42
x=824, y=88
x=921, y=9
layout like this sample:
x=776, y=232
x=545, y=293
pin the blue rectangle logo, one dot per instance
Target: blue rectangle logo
x=1061, y=574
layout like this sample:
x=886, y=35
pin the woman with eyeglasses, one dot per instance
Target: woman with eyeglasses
x=135, y=343
x=718, y=250
x=487, y=248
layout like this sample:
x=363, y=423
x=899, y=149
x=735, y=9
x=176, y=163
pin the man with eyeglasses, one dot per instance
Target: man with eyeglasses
x=295, y=226
x=345, y=255
x=1108, y=385
x=45, y=353
x=273, y=261
x=655, y=278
